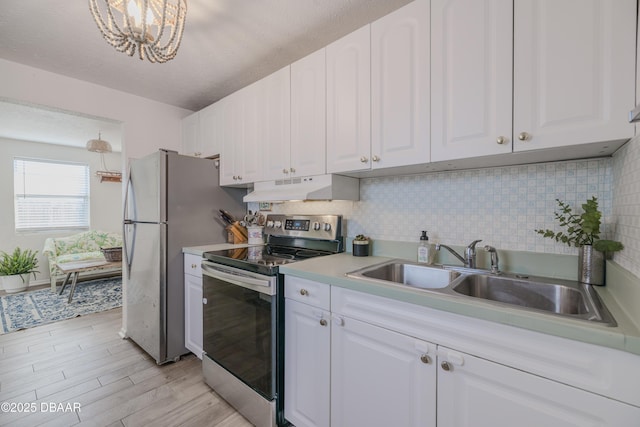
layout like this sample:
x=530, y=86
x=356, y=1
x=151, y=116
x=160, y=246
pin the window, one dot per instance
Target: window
x=50, y=195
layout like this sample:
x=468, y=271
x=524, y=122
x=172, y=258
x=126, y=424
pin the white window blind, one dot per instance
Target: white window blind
x=50, y=195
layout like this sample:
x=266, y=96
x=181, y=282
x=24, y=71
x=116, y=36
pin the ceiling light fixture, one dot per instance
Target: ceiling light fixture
x=99, y=145
x=152, y=27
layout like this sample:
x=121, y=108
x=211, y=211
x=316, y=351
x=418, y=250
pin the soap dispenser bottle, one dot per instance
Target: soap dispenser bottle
x=424, y=249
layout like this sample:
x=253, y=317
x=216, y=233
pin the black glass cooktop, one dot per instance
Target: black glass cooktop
x=262, y=259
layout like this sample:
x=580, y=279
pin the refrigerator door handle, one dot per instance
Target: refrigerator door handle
x=126, y=221
x=128, y=254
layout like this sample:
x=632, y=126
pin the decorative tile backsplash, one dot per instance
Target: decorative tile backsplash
x=502, y=206
x=626, y=204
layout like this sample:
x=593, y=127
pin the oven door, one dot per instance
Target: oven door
x=239, y=324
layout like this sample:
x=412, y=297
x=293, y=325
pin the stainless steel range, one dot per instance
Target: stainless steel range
x=243, y=312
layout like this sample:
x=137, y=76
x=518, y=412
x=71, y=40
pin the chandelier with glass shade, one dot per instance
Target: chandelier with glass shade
x=151, y=27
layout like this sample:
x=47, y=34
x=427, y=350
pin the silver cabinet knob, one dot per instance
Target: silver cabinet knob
x=239, y=178
x=293, y=170
x=363, y=159
x=285, y=171
x=197, y=154
x=446, y=366
x=375, y=158
x=304, y=292
x=323, y=322
x=204, y=301
x=194, y=266
x=235, y=177
x=501, y=140
x=523, y=136
x=425, y=359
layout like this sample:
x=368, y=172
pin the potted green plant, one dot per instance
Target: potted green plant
x=583, y=231
x=360, y=245
x=16, y=269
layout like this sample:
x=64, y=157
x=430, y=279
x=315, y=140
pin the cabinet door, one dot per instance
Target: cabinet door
x=476, y=392
x=191, y=135
x=193, y=314
x=380, y=378
x=308, y=115
x=252, y=137
x=307, y=364
x=400, y=87
x=209, y=128
x=573, y=71
x=471, y=78
x=231, y=155
x=277, y=125
x=349, y=102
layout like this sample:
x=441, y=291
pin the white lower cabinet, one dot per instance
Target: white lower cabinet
x=381, y=362
x=477, y=392
x=380, y=378
x=193, y=304
x=307, y=365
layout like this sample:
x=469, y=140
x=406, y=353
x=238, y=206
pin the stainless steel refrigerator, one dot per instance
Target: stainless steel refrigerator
x=171, y=201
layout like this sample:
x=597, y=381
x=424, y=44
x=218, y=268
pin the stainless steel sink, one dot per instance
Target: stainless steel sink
x=407, y=273
x=564, y=298
x=537, y=294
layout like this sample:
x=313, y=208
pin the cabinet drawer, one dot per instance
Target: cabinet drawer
x=307, y=291
x=192, y=265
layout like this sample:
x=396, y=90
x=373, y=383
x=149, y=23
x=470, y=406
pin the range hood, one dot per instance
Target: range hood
x=319, y=187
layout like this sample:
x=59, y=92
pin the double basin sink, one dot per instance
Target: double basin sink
x=543, y=295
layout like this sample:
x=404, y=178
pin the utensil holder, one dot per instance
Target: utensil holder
x=255, y=234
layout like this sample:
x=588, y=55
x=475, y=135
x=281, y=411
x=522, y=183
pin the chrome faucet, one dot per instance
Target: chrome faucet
x=469, y=259
x=494, y=259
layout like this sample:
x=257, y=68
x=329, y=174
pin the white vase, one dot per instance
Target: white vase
x=15, y=283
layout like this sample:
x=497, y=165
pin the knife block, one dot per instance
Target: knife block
x=236, y=233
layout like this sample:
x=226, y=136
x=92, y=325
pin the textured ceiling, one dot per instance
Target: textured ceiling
x=227, y=44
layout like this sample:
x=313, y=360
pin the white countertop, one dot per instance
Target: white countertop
x=199, y=250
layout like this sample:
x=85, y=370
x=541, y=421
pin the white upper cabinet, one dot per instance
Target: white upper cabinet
x=241, y=162
x=349, y=102
x=191, y=135
x=308, y=115
x=574, y=71
x=210, y=142
x=400, y=87
x=252, y=112
x=276, y=125
x=199, y=133
x=471, y=78
x=231, y=133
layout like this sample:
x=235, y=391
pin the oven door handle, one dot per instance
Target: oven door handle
x=264, y=286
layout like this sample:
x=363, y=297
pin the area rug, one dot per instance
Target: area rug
x=35, y=308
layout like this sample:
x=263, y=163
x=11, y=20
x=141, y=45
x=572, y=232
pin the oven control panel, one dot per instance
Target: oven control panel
x=328, y=227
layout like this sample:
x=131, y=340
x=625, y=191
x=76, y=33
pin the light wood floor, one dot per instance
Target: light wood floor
x=84, y=361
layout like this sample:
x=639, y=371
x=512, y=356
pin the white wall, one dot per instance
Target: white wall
x=105, y=208
x=147, y=125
